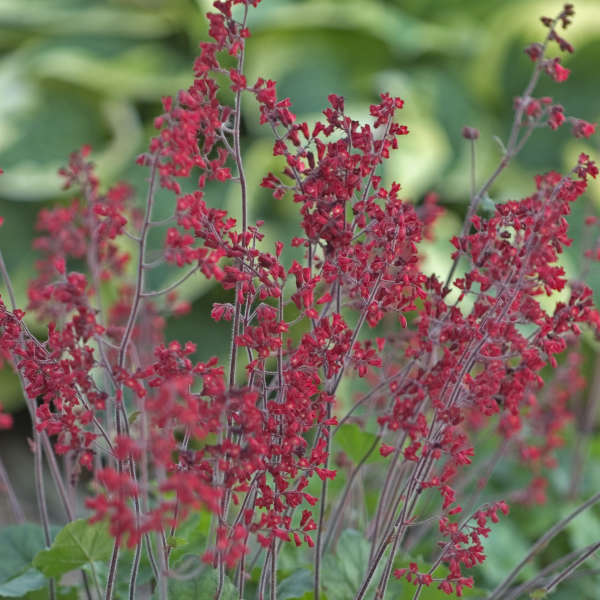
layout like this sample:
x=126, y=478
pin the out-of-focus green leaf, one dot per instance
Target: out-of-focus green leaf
x=62, y=593
x=344, y=570
x=584, y=530
x=296, y=586
x=18, y=586
x=41, y=138
x=19, y=544
x=390, y=24
x=140, y=71
x=83, y=16
x=504, y=548
x=191, y=537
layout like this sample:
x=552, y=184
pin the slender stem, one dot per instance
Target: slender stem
x=139, y=284
x=7, y=282
x=171, y=287
x=15, y=505
x=384, y=495
x=572, y=567
x=112, y=570
x=331, y=389
x=56, y=476
x=242, y=574
x=401, y=523
x=585, y=429
x=536, y=581
x=338, y=511
x=133, y=313
x=241, y=176
x=41, y=498
x=96, y=581
x=541, y=542
x=244, y=200
x=162, y=222
x=163, y=586
x=273, y=571
x=263, y=577
x=323, y=502
x=221, y=583
x=134, y=570
x=473, y=170
x=236, y=133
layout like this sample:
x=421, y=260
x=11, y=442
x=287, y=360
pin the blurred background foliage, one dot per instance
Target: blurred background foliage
x=88, y=71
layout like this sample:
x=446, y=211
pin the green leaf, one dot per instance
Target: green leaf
x=62, y=593
x=296, y=585
x=18, y=546
x=118, y=69
x=203, y=588
x=87, y=17
x=383, y=21
x=77, y=544
x=17, y=587
x=45, y=109
x=343, y=572
x=355, y=442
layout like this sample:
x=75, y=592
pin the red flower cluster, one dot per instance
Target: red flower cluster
x=166, y=435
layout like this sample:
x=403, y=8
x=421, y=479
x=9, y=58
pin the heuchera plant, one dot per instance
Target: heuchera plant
x=441, y=365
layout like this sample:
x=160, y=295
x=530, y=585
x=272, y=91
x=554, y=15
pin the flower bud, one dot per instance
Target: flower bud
x=470, y=133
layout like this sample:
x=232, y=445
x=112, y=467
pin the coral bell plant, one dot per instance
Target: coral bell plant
x=207, y=479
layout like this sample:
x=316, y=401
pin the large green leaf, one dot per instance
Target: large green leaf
x=17, y=587
x=19, y=544
x=77, y=544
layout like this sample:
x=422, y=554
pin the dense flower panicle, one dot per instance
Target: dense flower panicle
x=87, y=226
x=442, y=363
